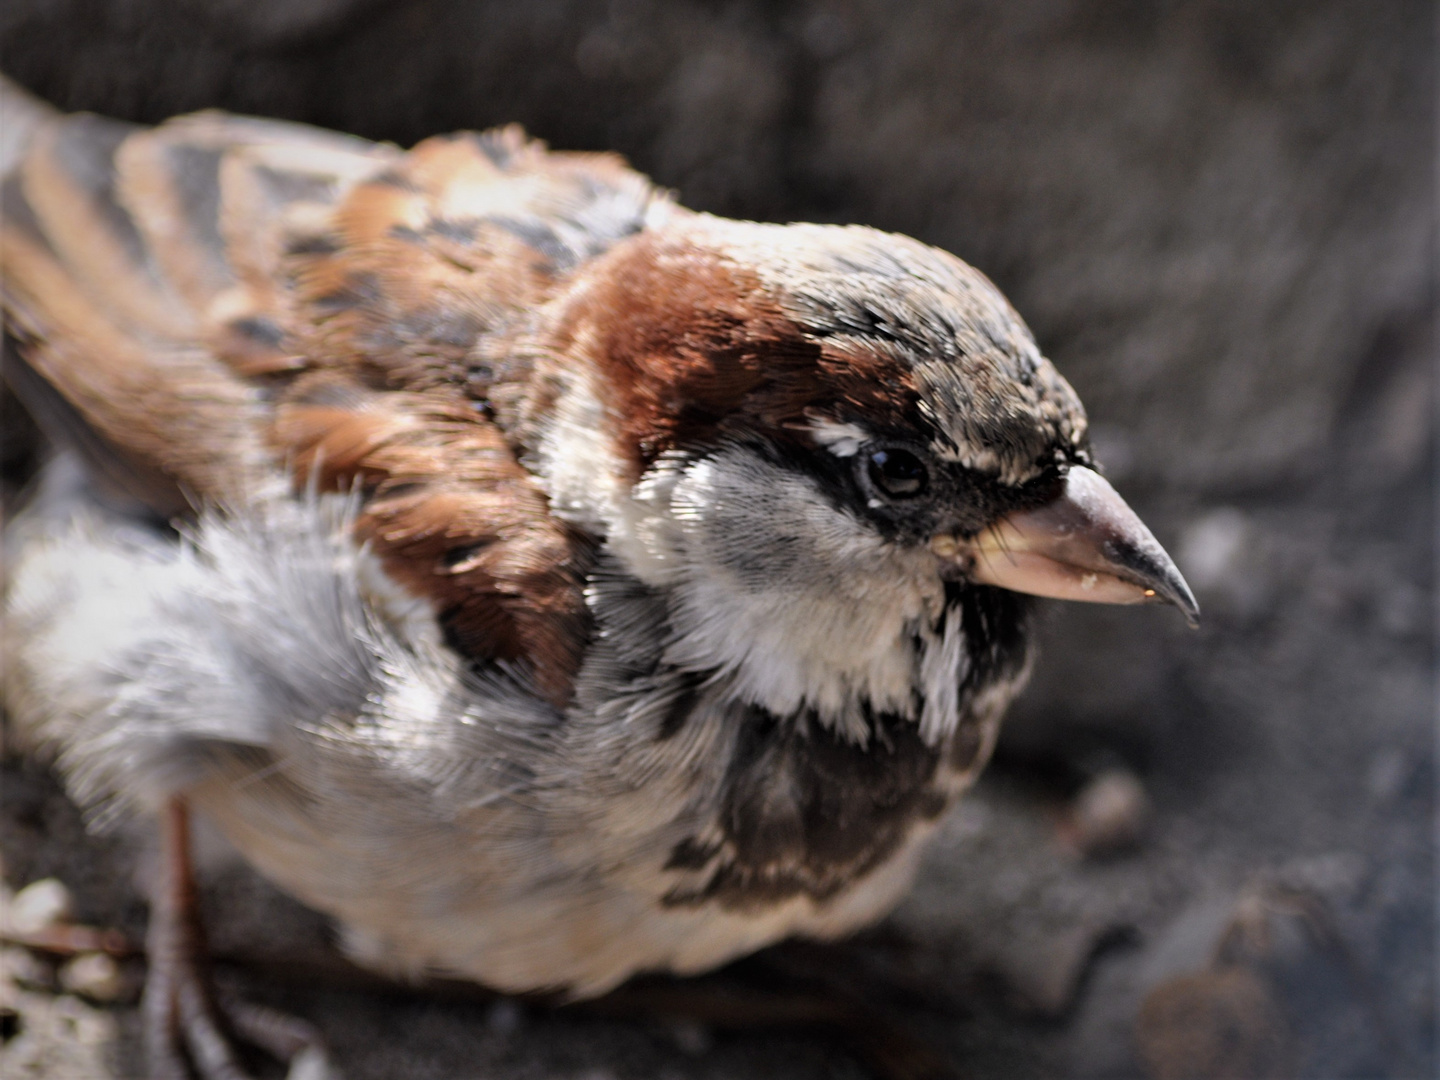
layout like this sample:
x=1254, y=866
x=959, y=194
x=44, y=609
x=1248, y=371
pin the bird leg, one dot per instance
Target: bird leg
x=185, y=1023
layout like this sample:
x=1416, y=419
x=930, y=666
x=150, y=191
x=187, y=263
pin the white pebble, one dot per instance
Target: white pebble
x=93, y=975
x=1110, y=812
x=39, y=905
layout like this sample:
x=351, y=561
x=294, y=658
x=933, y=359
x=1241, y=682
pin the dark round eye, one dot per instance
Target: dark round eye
x=897, y=473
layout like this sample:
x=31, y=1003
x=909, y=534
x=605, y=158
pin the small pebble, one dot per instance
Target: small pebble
x=39, y=905
x=690, y=1037
x=312, y=1063
x=93, y=975
x=504, y=1016
x=1110, y=813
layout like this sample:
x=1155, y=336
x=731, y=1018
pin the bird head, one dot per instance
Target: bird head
x=824, y=442
x=887, y=384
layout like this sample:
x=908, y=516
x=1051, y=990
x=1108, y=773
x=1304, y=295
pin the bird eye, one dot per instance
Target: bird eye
x=897, y=473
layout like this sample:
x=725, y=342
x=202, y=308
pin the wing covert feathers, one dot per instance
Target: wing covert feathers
x=219, y=298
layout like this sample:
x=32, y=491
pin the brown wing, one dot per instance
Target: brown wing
x=204, y=302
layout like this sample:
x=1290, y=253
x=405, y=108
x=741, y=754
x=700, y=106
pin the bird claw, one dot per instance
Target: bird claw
x=284, y=1037
x=188, y=1032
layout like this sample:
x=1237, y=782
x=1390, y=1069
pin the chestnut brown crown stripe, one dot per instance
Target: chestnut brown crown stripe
x=687, y=345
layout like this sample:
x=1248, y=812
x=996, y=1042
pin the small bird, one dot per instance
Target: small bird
x=545, y=581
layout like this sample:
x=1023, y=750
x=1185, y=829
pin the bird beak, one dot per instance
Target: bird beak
x=1085, y=545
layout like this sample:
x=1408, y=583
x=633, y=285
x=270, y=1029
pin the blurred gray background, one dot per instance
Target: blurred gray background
x=1219, y=220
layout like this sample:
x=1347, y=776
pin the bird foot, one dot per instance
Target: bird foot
x=188, y=1024
x=191, y=1031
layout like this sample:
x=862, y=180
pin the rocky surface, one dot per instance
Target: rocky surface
x=1219, y=220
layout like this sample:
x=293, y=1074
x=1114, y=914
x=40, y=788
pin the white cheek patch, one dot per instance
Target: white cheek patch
x=801, y=605
x=842, y=440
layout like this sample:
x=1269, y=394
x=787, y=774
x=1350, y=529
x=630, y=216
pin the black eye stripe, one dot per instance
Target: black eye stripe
x=953, y=498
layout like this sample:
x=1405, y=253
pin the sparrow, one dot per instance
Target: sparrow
x=545, y=581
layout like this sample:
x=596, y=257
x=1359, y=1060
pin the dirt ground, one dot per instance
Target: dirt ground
x=1218, y=218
